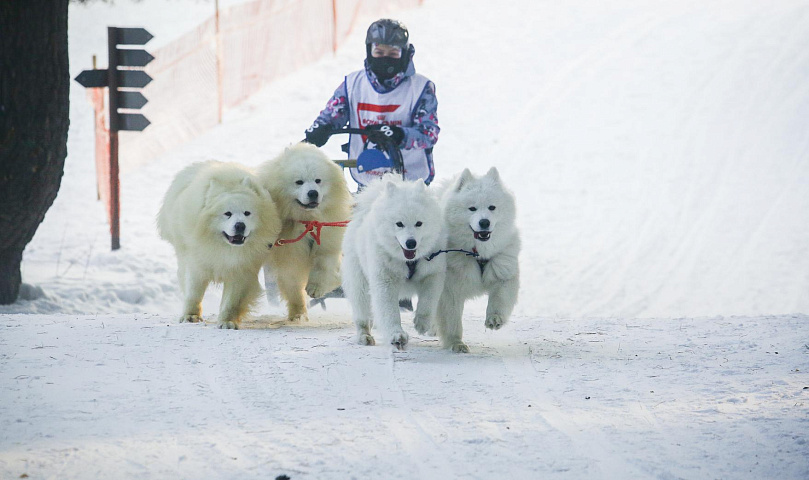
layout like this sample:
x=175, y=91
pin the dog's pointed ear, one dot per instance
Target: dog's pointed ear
x=465, y=177
x=250, y=183
x=390, y=188
x=210, y=191
x=247, y=183
x=493, y=174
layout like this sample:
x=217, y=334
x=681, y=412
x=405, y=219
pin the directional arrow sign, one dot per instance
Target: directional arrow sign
x=133, y=78
x=134, y=58
x=132, y=121
x=133, y=36
x=131, y=100
x=92, y=78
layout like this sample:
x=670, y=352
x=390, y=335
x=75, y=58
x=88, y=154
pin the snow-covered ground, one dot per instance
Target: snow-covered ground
x=660, y=158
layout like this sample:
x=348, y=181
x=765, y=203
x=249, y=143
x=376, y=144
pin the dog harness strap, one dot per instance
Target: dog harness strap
x=309, y=227
x=313, y=227
x=411, y=268
x=481, y=261
x=435, y=254
x=319, y=225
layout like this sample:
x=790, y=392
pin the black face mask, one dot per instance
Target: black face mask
x=385, y=67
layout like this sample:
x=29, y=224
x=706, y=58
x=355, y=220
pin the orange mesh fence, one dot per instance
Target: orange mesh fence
x=265, y=39
x=182, y=96
x=98, y=97
x=231, y=56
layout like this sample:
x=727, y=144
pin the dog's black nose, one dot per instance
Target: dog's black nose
x=411, y=243
x=239, y=228
x=312, y=194
x=484, y=223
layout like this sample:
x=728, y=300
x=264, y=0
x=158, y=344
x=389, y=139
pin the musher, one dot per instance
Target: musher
x=388, y=98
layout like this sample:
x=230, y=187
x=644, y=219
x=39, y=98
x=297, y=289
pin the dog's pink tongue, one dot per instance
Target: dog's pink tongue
x=409, y=254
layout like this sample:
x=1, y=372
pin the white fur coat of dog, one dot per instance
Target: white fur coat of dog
x=480, y=214
x=396, y=225
x=221, y=222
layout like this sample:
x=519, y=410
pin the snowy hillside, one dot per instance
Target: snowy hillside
x=659, y=155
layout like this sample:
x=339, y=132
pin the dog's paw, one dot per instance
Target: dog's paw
x=323, y=284
x=298, y=317
x=399, y=340
x=366, y=339
x=495, y=321
x=190, y=319
x=315, y=290
x=459, y=347
x=228, y=325
x=423, y=324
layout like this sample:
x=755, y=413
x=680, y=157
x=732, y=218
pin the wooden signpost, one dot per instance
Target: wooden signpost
x=124, y=77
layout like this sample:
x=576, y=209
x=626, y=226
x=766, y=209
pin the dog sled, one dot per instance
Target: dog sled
x=383, y=154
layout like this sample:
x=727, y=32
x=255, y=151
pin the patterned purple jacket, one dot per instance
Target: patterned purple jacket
x=424, y=131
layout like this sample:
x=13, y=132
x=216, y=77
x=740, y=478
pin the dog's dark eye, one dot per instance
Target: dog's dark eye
x=492, y=207
x=418, y=224
x=299, y=182
x=246, y=214
x=473, y=209
x=317, y=180
x=228, y=214
x=399, y=224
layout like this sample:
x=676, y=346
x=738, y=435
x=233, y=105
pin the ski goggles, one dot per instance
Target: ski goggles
x=382, y=50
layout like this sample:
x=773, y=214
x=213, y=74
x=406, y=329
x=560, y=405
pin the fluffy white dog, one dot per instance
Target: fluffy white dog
x=309, y=190
x=220, y=222
x=480, y=214
x=396, y=225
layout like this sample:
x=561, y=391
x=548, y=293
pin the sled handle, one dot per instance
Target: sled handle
x=349, y=130
x=393, y=151
x=348, y=163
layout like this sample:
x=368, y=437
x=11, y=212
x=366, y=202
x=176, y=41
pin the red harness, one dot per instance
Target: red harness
x=313, y=228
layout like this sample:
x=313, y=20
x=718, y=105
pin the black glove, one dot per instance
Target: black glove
x=385, y=133
x=318, y=134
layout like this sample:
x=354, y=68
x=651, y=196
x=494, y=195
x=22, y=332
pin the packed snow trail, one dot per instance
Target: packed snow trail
x=658, y=153
x=135, y=397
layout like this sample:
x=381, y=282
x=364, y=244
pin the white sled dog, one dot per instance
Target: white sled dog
x=395, y=226
x=479, y=213
x=220, y=222
x=307, y=187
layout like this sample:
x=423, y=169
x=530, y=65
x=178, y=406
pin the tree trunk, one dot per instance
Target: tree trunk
x=34, y=117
